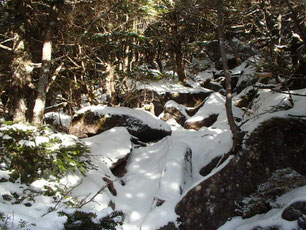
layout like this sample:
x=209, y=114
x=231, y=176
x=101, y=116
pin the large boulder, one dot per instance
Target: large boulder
x=93, y=120
x=273, y=164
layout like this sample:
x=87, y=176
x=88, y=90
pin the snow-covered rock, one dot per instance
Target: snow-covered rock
x=113, y=146
x=96, y=119
x=260, y=171
x=207, y=115
x=175, y=111
x=60, y=121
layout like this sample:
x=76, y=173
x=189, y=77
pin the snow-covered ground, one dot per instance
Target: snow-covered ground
x=159, y=174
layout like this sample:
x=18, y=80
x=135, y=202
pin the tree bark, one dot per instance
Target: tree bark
x=237, y=137
x=21, y=75
x=40, y=102
x=110, y=84
x=180, y=64
x=45, y=73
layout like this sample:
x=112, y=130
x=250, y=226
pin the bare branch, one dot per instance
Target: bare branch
x=6, y=48
x=83, y=202
x=101, y=15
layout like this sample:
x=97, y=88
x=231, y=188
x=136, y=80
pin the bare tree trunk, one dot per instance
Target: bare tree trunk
x=237, y=137
x=110, y=84
x=126, y=66
x=40, y=102
x=180, y=64
x=158, y=57
x=45, y=73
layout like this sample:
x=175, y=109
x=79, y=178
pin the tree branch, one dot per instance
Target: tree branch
x=101, y=15
x=5, y=47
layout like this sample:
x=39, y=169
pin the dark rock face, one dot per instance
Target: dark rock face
x=211, y=203
x=119, y=167
x=213, y=164
x=302, y=222
x=281, y=143
x=295, y=211
x=259, y=202
x=267, y=228
x=90, y=123
x=275, y=146
x=189, y=99
x=210, y=84
x=170, y=226
x=86, y=124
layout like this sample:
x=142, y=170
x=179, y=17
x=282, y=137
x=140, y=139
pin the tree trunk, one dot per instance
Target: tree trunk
x=110, y=84
x=180, y=64
x=158, y=57
x=21, y=75
x=45, y=73
x=237, y=137
x=40, y=102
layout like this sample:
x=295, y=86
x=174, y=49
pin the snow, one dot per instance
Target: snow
x=59, y=118
x=167, y=86
x=106, y=148
x=271, y=104
x=156, y=172
x=159, y=174
x=111, y=145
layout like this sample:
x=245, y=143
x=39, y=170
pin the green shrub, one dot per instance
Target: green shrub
x=88, y=220
x=33, y=152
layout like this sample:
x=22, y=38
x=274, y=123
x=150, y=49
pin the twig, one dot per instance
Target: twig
x=242, y=123
x=5, y=47
x=101, y=15
x=83, y=202
x=290, y=97
x=63, y=196
x=7, y=40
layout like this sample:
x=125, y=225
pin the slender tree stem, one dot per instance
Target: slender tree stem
x=237, y=139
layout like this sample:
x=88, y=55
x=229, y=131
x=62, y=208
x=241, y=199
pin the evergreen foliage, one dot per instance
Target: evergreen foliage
x=33, y=152
x=83, y=220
